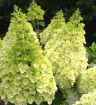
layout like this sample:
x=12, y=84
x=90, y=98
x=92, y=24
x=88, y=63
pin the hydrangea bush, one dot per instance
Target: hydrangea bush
x=64, y=47
x=28, y=71
x=26, y=75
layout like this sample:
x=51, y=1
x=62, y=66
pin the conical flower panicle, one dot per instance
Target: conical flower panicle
x=76, y=28
x=76, y=18
x=65, y=49
x=35, y=12
x=25, y=73
x=53, y=28
x=17, y=15
x=77, y=39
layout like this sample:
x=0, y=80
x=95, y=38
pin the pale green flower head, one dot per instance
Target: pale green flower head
x=35, y=12
x=53, y=28
x=64, y=47
x=25, y=73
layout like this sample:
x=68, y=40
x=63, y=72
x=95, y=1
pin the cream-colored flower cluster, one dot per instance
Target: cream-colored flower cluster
x=26, y=75
x=64, y=47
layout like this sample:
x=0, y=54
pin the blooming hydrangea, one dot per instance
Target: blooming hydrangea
x=64, y=47
x=26, y=75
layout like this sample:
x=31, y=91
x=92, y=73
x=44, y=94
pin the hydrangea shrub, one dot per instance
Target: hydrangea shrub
x=64, y=47
x=87, y=81
x=87, y=99
x=26, y=75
